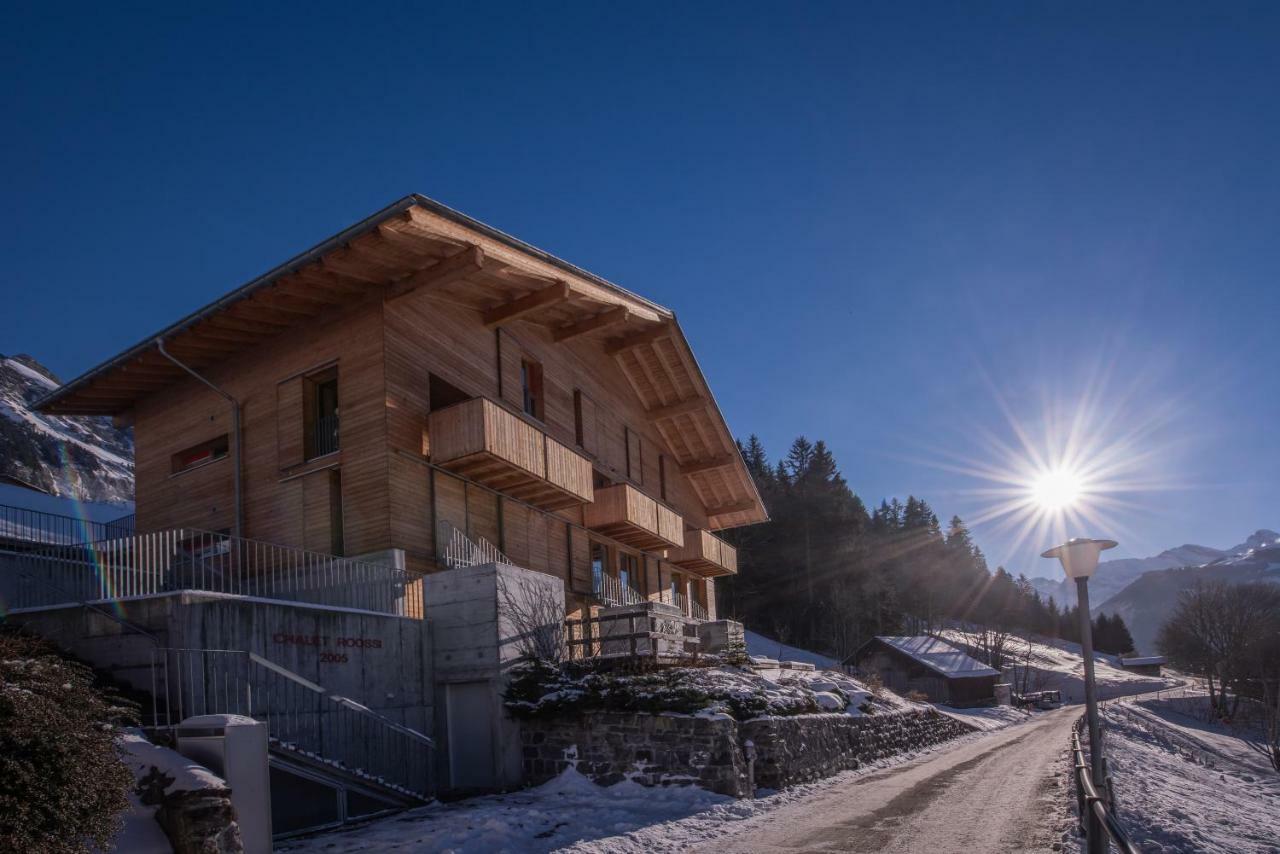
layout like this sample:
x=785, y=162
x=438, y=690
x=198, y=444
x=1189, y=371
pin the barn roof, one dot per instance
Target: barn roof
x=939, y=656
x=1139, y=661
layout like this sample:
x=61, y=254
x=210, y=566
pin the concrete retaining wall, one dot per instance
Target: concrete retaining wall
x=662, y=749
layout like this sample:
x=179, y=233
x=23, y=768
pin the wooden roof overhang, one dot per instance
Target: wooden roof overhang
x=417, y=243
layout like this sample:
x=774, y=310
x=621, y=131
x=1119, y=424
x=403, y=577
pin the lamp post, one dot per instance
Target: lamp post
x=1079, y=558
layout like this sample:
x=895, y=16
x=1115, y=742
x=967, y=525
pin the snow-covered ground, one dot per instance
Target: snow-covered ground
x=1184, y=785
x=763, y=647
x=570, y=813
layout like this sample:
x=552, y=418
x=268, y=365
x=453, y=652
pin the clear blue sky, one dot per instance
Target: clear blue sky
x=875, y=222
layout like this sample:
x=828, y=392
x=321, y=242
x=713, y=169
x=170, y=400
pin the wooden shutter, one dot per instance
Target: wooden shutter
x=289, y=423
x=584, y=409
x=635, y=456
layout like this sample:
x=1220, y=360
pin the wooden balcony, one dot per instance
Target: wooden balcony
x=629, y=516
x=480, y=440
x=706, y=554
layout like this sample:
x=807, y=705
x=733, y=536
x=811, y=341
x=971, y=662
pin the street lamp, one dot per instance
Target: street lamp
x=1079, y=557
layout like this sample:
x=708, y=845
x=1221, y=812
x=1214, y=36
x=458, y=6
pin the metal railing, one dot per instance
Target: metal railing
x=324, y=436
x=1089, y=802
x=610, y=590
x=457, y=550
x=301, y=716
x=20, y=527
x=698, y=611
x=190, y=559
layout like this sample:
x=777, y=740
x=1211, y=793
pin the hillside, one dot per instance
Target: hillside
x=85, y=458
x=1148, y=601
x=1115, y=575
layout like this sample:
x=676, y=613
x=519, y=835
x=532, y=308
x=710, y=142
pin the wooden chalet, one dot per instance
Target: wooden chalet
x=931, y=666
x=421, y=375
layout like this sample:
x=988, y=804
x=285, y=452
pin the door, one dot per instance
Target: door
x=472, y=711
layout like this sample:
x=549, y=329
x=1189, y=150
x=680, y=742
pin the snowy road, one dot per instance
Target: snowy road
x=1003, y=792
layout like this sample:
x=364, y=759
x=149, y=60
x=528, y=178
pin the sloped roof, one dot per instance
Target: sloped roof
x=1139, y=661
x=417, y=240
x=939, y=656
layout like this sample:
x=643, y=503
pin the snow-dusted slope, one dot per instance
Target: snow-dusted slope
x=759, y=645
x=85, y=458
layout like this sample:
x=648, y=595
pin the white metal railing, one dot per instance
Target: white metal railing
x=457, y=550
x=698, y=611
x=610, y=590
x=20, y=527
x=675, y=597
x=189, y=559
x=300, y=715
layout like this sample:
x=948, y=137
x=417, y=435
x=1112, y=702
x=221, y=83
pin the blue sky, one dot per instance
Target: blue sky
x=900, y=228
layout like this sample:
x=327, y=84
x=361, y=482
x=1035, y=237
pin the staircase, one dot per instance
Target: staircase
x=320, y=743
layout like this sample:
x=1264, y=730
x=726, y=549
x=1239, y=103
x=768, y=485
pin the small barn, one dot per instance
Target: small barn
x=931, y=666
x=1148, y=665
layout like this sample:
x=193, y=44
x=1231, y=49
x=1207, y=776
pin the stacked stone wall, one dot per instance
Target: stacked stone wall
x=712, y=752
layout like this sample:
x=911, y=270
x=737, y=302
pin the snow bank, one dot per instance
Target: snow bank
x=762, y=647
x=140, y=756
x=1175, y=799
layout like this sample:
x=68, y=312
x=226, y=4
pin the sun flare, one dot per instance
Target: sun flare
x=1057, y=489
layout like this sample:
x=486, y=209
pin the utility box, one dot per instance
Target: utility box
x=1004, y=694
x=235, y=748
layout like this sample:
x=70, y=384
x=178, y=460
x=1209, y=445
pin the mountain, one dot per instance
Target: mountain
x=1115, y=575
x=85, y=458
x=1148, y=601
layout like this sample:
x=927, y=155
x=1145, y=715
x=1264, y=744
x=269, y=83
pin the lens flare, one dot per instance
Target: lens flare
x=1057, y=489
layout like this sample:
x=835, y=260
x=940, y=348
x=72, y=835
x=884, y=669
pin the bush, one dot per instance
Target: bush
x=62, y=784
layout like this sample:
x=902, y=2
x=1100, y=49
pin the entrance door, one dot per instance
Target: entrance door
x=472, y=722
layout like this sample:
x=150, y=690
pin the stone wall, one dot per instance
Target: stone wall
x=608, y=747
x=653, y=750
x=810, y=747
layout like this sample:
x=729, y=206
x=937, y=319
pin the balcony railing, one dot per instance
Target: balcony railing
x=324, y=436
x=706, y=554
x=25, y=529
x=187, y=559
x=698, y=611
x=629, y=516
x=484, y=442
x=612, y=591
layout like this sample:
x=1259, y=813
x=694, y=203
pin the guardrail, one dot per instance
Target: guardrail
x=457, y=550
x=203, y=561
x=20, y=527
x=1090, y=802
x=612, y=591
x=300, y=715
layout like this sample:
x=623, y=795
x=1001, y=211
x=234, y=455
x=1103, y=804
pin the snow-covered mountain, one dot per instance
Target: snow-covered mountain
x=1115, y=575
x=85, y=458
x=1149, y=600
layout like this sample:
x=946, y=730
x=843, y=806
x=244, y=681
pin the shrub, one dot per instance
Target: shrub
x=62, y=784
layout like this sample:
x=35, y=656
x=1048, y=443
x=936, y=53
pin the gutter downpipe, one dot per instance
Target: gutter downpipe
x=235, y=429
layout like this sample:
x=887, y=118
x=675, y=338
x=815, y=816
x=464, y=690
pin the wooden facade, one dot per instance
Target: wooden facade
x=422, y=371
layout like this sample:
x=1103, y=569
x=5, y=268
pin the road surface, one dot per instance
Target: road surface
x=1002, y=792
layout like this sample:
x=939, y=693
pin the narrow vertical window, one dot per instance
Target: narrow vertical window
x=531, y=380
x=662, y=476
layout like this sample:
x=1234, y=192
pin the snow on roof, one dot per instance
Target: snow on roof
x=940, y=656
x=1137, y=662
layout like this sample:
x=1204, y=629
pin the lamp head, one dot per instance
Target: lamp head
x=1079, y=555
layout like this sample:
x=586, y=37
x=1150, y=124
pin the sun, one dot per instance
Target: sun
x=1057, y=489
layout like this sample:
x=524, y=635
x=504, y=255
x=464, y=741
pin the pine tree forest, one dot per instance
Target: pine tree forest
x=825, y=573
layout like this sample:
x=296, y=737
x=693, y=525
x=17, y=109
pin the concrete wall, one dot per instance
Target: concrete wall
x=483, y=620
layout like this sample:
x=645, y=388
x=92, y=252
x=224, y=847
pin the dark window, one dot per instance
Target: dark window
x=599, y=557
x=531, y=380
x=662, y=476
x=205, y=452
x=442, y=393
x=321, y=415
x=577, y=418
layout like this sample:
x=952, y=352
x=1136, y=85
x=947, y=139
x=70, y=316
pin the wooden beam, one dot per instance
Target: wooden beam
x=693, y=404
x=255, y=327
x=717, y=462
x=517, y=308
x=448, y=270
x=637, y=339
x=404, y=242
x=357, y=270
x=735, y=507
x=603, y=320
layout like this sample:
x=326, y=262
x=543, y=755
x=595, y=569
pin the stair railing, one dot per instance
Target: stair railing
x=302, y=717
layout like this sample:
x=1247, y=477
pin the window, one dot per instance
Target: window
x=598, y=559
x=628, y=569
x=205, y=452
x=320, y=427
x=662, y=476
x=531, y=380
